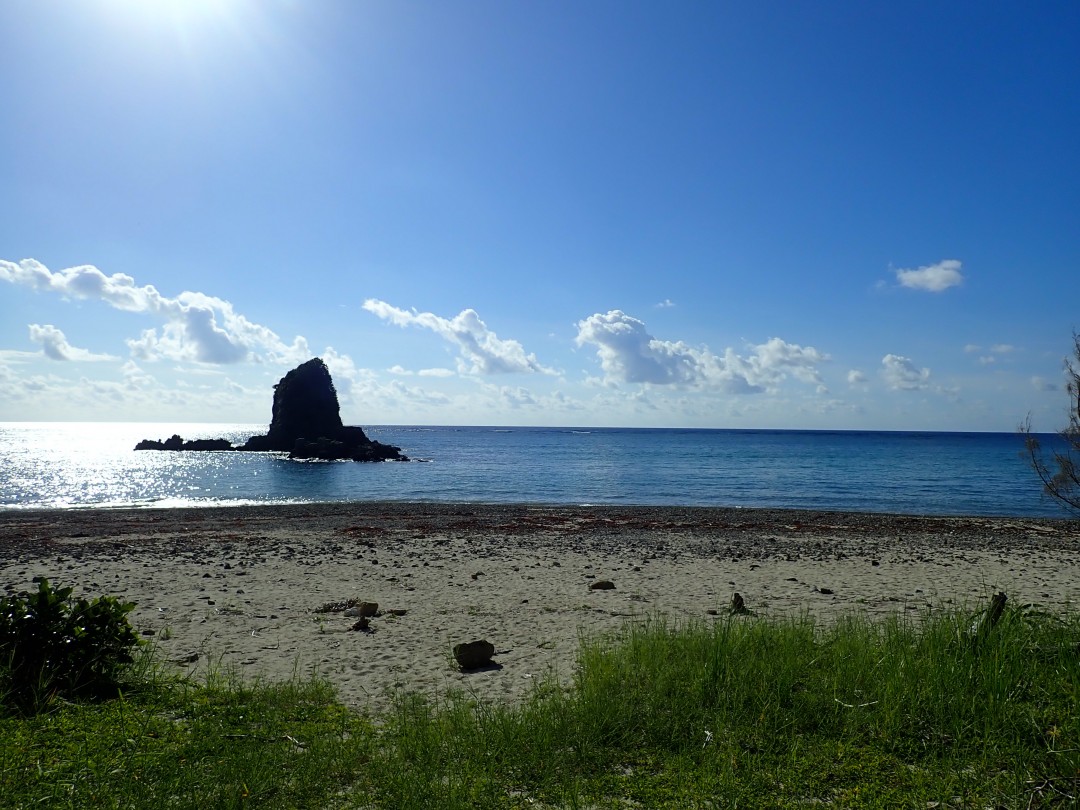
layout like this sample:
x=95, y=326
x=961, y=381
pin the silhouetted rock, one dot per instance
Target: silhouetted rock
x=305, y=423
x=323, y=448
x=305, y=407
x=174, y=442
x=154, y=444
x=208, y=444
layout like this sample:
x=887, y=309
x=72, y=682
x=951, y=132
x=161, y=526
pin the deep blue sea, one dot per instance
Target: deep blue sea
x=91, y=465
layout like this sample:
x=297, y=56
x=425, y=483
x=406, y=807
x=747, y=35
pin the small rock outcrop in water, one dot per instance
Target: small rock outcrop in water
x=174, y=442
x=305, y=423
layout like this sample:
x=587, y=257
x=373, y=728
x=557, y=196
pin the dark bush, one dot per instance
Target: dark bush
x=54, y=646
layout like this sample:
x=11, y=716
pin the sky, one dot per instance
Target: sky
x=841, y=215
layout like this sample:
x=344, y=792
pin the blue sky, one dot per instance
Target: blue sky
x=787, y=215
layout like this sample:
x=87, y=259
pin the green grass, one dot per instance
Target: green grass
x=745, y=712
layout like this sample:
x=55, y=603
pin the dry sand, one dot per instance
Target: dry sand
x=240, y=587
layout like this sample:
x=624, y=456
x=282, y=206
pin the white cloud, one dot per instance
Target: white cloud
x=135, y=378
x=1042, y=384
x=972, y=348
x=629, y=354
x=667, y=303
x=776, y=356
x=482, y=351
x=856, y=377
x=1002, y=348
x=932, y=278
x=902, y=375
x=55, y=345
x=399, y=371
x=198, y=327
x=344, y=372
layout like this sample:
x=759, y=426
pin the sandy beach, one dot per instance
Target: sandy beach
x=252, y=588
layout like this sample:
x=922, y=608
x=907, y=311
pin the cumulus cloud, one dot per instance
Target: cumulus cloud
x=667, y=303
x=198, y=327
x=902, y=375
x=481, y=350
x=856, y=377
x=932, y=278
x=345, y=372
x=55, y=345
x=629, y=354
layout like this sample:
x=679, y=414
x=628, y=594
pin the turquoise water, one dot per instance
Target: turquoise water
x=70, y=465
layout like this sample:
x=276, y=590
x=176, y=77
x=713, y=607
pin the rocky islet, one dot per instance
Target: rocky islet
x=306, y=423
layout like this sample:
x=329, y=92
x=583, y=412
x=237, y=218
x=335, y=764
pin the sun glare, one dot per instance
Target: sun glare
x=191, y=24
x=182, y=15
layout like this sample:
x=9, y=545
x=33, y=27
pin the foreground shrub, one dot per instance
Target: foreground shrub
x=52, y=645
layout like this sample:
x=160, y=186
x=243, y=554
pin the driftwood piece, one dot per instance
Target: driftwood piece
x=738, y=605
x=984, y=623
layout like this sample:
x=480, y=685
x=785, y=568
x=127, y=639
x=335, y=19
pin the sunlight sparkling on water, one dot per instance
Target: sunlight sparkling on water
x=72, y=465
x=57, y=465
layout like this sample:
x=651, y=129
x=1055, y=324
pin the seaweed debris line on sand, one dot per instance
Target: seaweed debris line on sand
x=306, y=423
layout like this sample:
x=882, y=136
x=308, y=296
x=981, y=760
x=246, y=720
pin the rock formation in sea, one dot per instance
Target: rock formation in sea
x=174, y=442
x=305, y=423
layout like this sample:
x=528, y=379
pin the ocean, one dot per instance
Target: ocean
x=93, y=465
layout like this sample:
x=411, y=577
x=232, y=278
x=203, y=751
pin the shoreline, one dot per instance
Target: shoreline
x=240, y=586
x=11, y=509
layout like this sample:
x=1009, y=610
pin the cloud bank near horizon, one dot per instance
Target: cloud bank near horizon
x=621, y=372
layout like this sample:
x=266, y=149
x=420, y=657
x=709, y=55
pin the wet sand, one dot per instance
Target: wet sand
x=242, y=587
